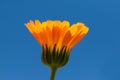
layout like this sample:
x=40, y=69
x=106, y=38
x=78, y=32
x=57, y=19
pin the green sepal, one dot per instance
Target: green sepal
x=55, y=58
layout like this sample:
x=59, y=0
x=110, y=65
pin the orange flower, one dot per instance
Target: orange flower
x=57, y=39
x=57, y=33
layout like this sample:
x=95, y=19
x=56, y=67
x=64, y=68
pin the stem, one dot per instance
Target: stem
x=53, y=72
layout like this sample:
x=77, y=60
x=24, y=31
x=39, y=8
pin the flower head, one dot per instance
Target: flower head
x=57, y=39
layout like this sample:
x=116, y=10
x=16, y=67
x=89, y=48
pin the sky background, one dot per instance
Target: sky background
x=96, y=57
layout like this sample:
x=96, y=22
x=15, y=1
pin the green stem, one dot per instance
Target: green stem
x=53, y=72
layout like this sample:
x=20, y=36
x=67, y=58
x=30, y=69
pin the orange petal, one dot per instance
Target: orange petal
x=38, y=38
x=66, y=38
x=75, y=40
x=55, y=34
x=48, y=33
x=62, y=34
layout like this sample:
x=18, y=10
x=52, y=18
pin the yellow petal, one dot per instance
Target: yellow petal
x=78, y=36
x=57, y=23
x=31, y=29
x=49, y=24
x=75, y=27
x=65, y=24
x=38, y=25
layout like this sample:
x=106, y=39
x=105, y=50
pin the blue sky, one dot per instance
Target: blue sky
x=96, y=57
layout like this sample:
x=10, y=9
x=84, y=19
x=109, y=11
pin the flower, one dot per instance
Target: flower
x=57, y=39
